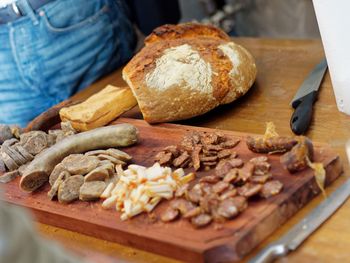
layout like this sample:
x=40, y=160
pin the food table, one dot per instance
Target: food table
x=282, y=66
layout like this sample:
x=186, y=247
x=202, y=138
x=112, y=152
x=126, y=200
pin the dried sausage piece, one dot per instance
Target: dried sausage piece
x=5, y=133
x=212, y=179
x=9, y=163
x=231, y=143
x=24, y=152
x=296, y=159
x=67, y=128
x=34, y=141
x=273, y=144
x=193, y=212
x=240, y=202
x=262, y=168
x=208, y=158
x=209, y=164
x=226, y=153
x=169, y=214
x=206, y=188
x=2, y=166
x=190, y=140
x=195, y=157
x=108, y=166
x=9, y=176
x=98, y=174
x=231, y=176
x=271, y=188
x=215, y=148
x=182, y=205
x=209, y=138
x=182, y=159
x=259, y=159
x=91, y=191
x=110, y=158
x=260, y=179
x=249, y=190
x=118, y=154
x=195, y=194
x=68, y=191
x=228, y=194
x=220, y=187
x=224, y=166
x=164, y=158
x=245, y=173
x=10, y=142
x=173, y=149
x=14, y=155
x=79, y=163
x=228, y=209
x=209, y=203
x=201, y=220
x=59, y=168
x=54, y=189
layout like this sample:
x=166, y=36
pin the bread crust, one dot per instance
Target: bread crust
x=185, y=30
x=231, y=68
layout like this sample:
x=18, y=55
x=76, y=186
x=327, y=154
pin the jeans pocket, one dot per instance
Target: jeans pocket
x=71, y=20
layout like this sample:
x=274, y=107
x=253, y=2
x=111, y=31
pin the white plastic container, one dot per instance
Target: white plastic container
x=333, y=17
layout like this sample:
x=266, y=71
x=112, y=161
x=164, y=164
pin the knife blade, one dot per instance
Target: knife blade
x=305, y=98
x=294, y=237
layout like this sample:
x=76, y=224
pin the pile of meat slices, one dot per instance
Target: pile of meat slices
x=21, y=148
x=199, y=150
x=86, y=176
x=224, y=194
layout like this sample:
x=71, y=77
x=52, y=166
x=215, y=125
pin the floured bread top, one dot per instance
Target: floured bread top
x=181, y=66
x=230, y=51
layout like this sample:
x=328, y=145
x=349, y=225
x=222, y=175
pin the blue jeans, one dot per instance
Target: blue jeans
x=51, y=53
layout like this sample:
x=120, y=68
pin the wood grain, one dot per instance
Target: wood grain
x=179, y=239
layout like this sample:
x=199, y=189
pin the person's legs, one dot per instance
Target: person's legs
x=72, y=43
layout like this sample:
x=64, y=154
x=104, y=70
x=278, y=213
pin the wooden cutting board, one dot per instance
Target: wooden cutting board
x=179, y=239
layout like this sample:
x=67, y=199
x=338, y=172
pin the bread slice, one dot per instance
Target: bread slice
x=187, y=70
x=100, y=109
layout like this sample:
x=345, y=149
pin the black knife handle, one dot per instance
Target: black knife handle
x=302, y=115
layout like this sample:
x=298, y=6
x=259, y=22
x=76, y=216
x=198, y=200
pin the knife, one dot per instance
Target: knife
x=305, y=98
x=291, y=240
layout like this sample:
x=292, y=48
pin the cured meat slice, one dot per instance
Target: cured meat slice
x=201, y=220
x=68, y=190
x=9, y=163
x=60, y=179
x=79, y=163
x=24, y=152
x=296, y=159
x=59, y=168
x=228, y=209
x=98, y=174
x=249, y=190
x=273, y=144
x=34, y=141
x=14, y=155
x=91, y=191
x=169, y=214
x=9, y=176
x=271, y=188
x=110, y=158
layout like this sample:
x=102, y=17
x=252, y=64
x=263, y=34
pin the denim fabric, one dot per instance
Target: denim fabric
x=47, y=56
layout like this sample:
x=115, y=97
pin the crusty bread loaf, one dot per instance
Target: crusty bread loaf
x=186, y=70
x=100, y=109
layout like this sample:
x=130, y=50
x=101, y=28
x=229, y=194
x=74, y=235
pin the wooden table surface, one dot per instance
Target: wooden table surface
x=282, y=66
